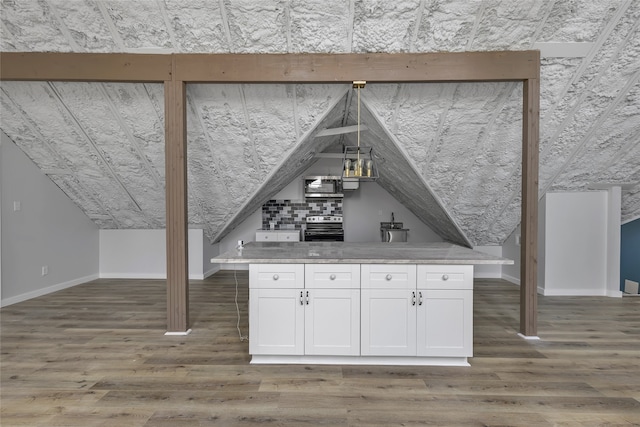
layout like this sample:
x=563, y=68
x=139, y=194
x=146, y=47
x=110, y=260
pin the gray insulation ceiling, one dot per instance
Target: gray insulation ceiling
x=450, y=152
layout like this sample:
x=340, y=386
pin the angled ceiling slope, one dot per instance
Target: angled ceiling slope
x=292, y=163
x=102, y=143
x=399, y=177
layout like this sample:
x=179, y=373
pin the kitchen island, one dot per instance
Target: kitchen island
x=360, y=303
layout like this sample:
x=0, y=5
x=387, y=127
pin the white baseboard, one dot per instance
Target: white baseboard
x=573, y=292
x=132, y=276
x=514, y=280
x=234, y=266
x=187, y=332
x=528, y=337
x=48, y=290
x=614, y=294
x=481, y=275
x=212, y=271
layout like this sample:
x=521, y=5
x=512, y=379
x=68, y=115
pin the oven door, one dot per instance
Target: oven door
x=323, y=236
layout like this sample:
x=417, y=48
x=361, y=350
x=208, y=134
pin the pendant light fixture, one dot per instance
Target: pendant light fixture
x=358, y=162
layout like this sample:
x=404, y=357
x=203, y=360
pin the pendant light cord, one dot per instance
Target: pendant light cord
x=358, y=124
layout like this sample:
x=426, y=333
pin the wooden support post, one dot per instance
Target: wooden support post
x=176, y=206
x=529, y=218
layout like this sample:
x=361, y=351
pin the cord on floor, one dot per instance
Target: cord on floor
x=242, y=337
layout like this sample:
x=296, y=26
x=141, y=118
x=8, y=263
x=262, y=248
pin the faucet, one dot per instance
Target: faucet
x=392, y=219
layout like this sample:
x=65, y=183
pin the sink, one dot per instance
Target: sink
x=394, y=235
x=393, y=232
x=391, y=226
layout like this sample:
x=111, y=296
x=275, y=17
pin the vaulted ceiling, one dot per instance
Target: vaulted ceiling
x=449, y=152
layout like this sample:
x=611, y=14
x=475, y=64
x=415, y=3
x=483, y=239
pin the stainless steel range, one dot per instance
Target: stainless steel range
x=327, y=228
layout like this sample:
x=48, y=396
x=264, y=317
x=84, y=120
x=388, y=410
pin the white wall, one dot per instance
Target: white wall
x=511, y=250
x=481, y=271
x=209, y=251
x=48, y=230
x=575, y=244
x=542, y=243
x=367, y=207
x=141, y=254
x=614, y=240
x=363, y=210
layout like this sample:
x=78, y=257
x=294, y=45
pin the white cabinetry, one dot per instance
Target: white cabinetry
x=278, y=236
x=293, y=313
x=276, y=309
x=332, y=316
x=426, y=311
x=388, y=310
x=445, y=310
x=371, y=313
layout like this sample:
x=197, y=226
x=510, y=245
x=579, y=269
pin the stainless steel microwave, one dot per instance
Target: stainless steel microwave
x=322, y=186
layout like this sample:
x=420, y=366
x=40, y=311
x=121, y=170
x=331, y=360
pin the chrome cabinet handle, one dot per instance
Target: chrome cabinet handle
x=419, y=298
x=332, y=277
x=413, y=298
x=301, y=301
x=276, y=277
x=389, y=277
x=445, y=277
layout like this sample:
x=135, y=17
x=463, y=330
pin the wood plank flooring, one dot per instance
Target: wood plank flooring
x=96, y=355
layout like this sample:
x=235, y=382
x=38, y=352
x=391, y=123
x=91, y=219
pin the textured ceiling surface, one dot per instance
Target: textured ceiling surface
x=449, y=152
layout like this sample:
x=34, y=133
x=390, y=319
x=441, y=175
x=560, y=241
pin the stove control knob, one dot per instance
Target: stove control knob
x=276, y=277
x=389, y=277
x=332, y=277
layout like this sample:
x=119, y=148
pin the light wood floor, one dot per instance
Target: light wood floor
x=95, y=355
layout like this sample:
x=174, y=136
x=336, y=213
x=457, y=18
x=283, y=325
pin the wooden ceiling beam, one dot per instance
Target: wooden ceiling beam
x=85, y=67
x=345, y=68
x=272, y=68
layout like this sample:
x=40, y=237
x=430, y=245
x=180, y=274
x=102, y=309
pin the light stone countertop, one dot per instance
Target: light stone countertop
x=355, y=253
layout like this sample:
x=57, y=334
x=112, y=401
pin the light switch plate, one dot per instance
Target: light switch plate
x=16, y=206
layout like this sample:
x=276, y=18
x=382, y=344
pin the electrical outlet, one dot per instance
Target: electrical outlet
x=45, y=270
x=16, y=206
x=518, y=240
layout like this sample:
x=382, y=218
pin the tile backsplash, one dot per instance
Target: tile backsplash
x=290, y=214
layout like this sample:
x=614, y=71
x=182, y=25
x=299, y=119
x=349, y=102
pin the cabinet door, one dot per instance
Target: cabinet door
x=276, y=321
x=388, y=322
x=332, y=322
x=445, y=322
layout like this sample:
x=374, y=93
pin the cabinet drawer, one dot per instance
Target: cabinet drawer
x=445, y=277
x=332, y=276
x=388, y=276
x=288, y=236
x=266, y=236
x=276, y=276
